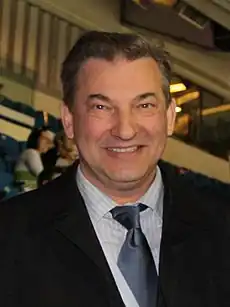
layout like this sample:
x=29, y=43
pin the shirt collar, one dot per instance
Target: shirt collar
x=152, y=197
x=99, y=204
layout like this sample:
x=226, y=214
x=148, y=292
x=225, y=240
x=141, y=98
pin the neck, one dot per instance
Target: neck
x=122, y=192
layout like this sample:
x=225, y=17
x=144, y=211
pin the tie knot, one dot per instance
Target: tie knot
x=128, y=216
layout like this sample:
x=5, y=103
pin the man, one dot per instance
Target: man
x=117, y=230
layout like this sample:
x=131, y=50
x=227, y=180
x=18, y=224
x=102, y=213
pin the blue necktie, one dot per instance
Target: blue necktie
x=135, y=259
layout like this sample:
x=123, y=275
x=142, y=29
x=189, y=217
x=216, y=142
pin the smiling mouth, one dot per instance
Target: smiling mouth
x=124, y=149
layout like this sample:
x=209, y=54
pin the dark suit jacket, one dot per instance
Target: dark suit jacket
x=50, y=255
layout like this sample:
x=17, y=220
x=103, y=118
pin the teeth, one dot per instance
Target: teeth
x=128, y=149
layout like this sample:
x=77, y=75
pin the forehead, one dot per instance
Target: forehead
x=120, y=74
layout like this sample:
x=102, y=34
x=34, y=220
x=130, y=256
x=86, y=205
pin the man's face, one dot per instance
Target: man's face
x=120, y=121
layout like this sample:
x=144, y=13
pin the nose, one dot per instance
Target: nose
x=125, y=127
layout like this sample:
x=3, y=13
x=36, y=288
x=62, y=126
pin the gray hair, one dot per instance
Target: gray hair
x=108, y=46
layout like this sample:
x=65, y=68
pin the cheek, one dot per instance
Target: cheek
x=90, y=130
x=155, y=126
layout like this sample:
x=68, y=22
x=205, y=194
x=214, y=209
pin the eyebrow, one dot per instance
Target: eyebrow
x=145, y=96
x=99, y=97
x=108, y=100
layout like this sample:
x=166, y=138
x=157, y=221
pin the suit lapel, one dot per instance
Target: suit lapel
x=174, y=235
x=167, y=254
x=186, y=228
x=74, y=223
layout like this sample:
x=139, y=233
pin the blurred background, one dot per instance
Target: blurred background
x=35, y=36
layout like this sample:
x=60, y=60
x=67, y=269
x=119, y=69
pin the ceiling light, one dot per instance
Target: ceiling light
x=165, y=2
x=178, y=109
x=178, y=87
x=187, y=97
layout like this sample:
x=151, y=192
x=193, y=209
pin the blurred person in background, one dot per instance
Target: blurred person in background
x=62, y=155
x=67, y=151
x=30, y=165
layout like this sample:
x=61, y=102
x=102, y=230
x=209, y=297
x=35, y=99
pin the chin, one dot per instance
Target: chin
x=126, y=176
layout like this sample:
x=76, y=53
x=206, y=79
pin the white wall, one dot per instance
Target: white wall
x=17, y=132
x=46, y=103
x=39, y=100
x=19, y=117
x=192, y=158
x=16, y=91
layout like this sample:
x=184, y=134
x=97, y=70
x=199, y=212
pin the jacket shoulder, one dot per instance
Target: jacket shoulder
x=196, y=182
x=16, y=213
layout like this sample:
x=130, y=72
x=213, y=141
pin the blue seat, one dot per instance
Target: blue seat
x=60, y=126
x=9, y=152
x=53, y=123
x=11, y=191
x=6, y=179
x=3, y=165
x=22, y=146
x=25, y=109
x=9, y=147
x=10, y=162
x=39, y=119
x=7, y=103
x=18, y=106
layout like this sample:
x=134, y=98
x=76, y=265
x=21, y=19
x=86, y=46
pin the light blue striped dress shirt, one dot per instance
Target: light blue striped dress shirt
x=111, y=234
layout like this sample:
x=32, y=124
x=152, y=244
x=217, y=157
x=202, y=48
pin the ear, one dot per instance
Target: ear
x=171, y=116
x=67, y=121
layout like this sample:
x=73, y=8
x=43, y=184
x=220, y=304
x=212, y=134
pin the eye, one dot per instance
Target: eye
x=100, y=107
x=146, y=106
